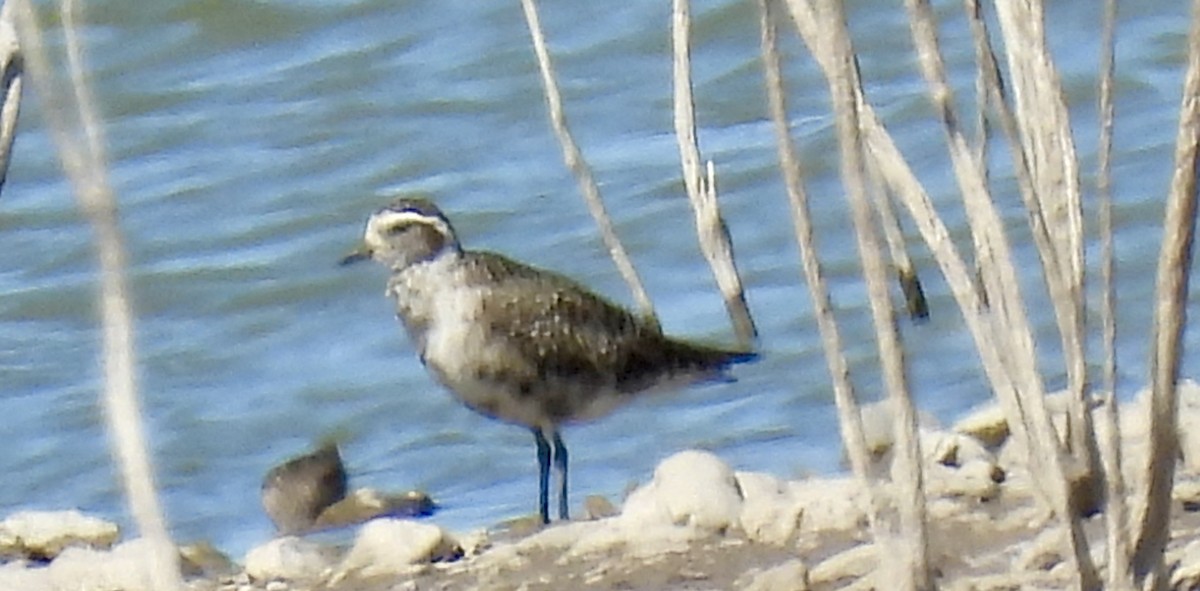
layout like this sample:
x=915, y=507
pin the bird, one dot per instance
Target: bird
x=518, y=343
x=295, y=492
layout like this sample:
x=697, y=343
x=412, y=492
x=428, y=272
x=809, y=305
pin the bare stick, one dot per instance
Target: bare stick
x=11, y=74
x=1055, y=208
x=845, y=89
x=702, y=189
x=818, y=288
x=1116, y=512
x=999, y=275
x=579, y=167
x=1170, y=316
x=900, y=179
x=906, y=273
x=83, y=160
x=714, y=236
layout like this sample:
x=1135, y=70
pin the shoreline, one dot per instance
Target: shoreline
x=697, y=524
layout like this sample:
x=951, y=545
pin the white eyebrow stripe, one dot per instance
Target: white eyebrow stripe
x=388, y=218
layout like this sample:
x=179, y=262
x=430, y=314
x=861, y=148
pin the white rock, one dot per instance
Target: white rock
x=1189, y=424
x=952, y=449
x=958, y=465
x=789, y=576
x=830, y=504
x=855, y=563
x=691, y=488
x=391, y=546
x=288, y=558
x=1186, y=562
x=692, y=495
x=44, y=534
x=770, y=512
x=87, y=569
x=986, y=423
x=879, y=426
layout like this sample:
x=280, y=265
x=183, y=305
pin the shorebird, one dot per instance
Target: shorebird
x=520, y=344
x=295, y=492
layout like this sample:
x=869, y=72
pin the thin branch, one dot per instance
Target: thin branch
x=701, y=189
x=996, y=264
x=82, y=159
x=1116, y=511
x=903, y=182
x=850, y=418
x=1170, y=316
x=1055, y=208
x=906, y=273
x=12, y=71
x=579, y=167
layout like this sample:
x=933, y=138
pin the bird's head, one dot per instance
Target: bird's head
x=406, y=232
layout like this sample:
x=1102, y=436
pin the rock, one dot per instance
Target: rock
x=1043, y=552
x=879, y=426
x=1187, y=491
x=294, y=493
x=365, y=504
x=987, y=424
x=80, y=568
x=771, y=514
x=789, y=576
x=830, y=504
x=598, y=507
x=957, y=465
x=43, y=535
x=990, y=426
x=385, y=547
x=202, y=559
x=852, y=564
x=691, y=488
x=288, y=558
x=1188, y=392
x=1186, y=571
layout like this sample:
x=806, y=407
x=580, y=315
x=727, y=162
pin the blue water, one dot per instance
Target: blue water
x=250, y=140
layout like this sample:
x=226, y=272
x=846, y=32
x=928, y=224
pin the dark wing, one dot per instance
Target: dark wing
x=559, y=330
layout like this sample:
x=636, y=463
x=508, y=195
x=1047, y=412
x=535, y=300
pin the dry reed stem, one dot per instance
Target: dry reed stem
x=579, y=166
x=12, y=71
x=906, y=273
x=83, y=160
x=1055, y=203
x=989, y=341
x=845, y=88
x=1006, y=303
x=994, y=88
x=1170, y=316
x=983, y=60
x=701, y=189
x=853, y=436
x=901, y=180
x=1116, y=512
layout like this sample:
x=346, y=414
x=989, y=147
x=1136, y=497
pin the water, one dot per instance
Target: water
x=249, y=140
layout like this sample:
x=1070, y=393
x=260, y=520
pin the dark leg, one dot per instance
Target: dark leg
x=543, y=455
x=560, y=466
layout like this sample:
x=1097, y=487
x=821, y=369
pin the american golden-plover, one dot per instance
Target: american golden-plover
x=521, y=344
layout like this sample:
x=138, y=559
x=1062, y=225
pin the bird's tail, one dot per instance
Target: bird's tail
x=708, y=363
